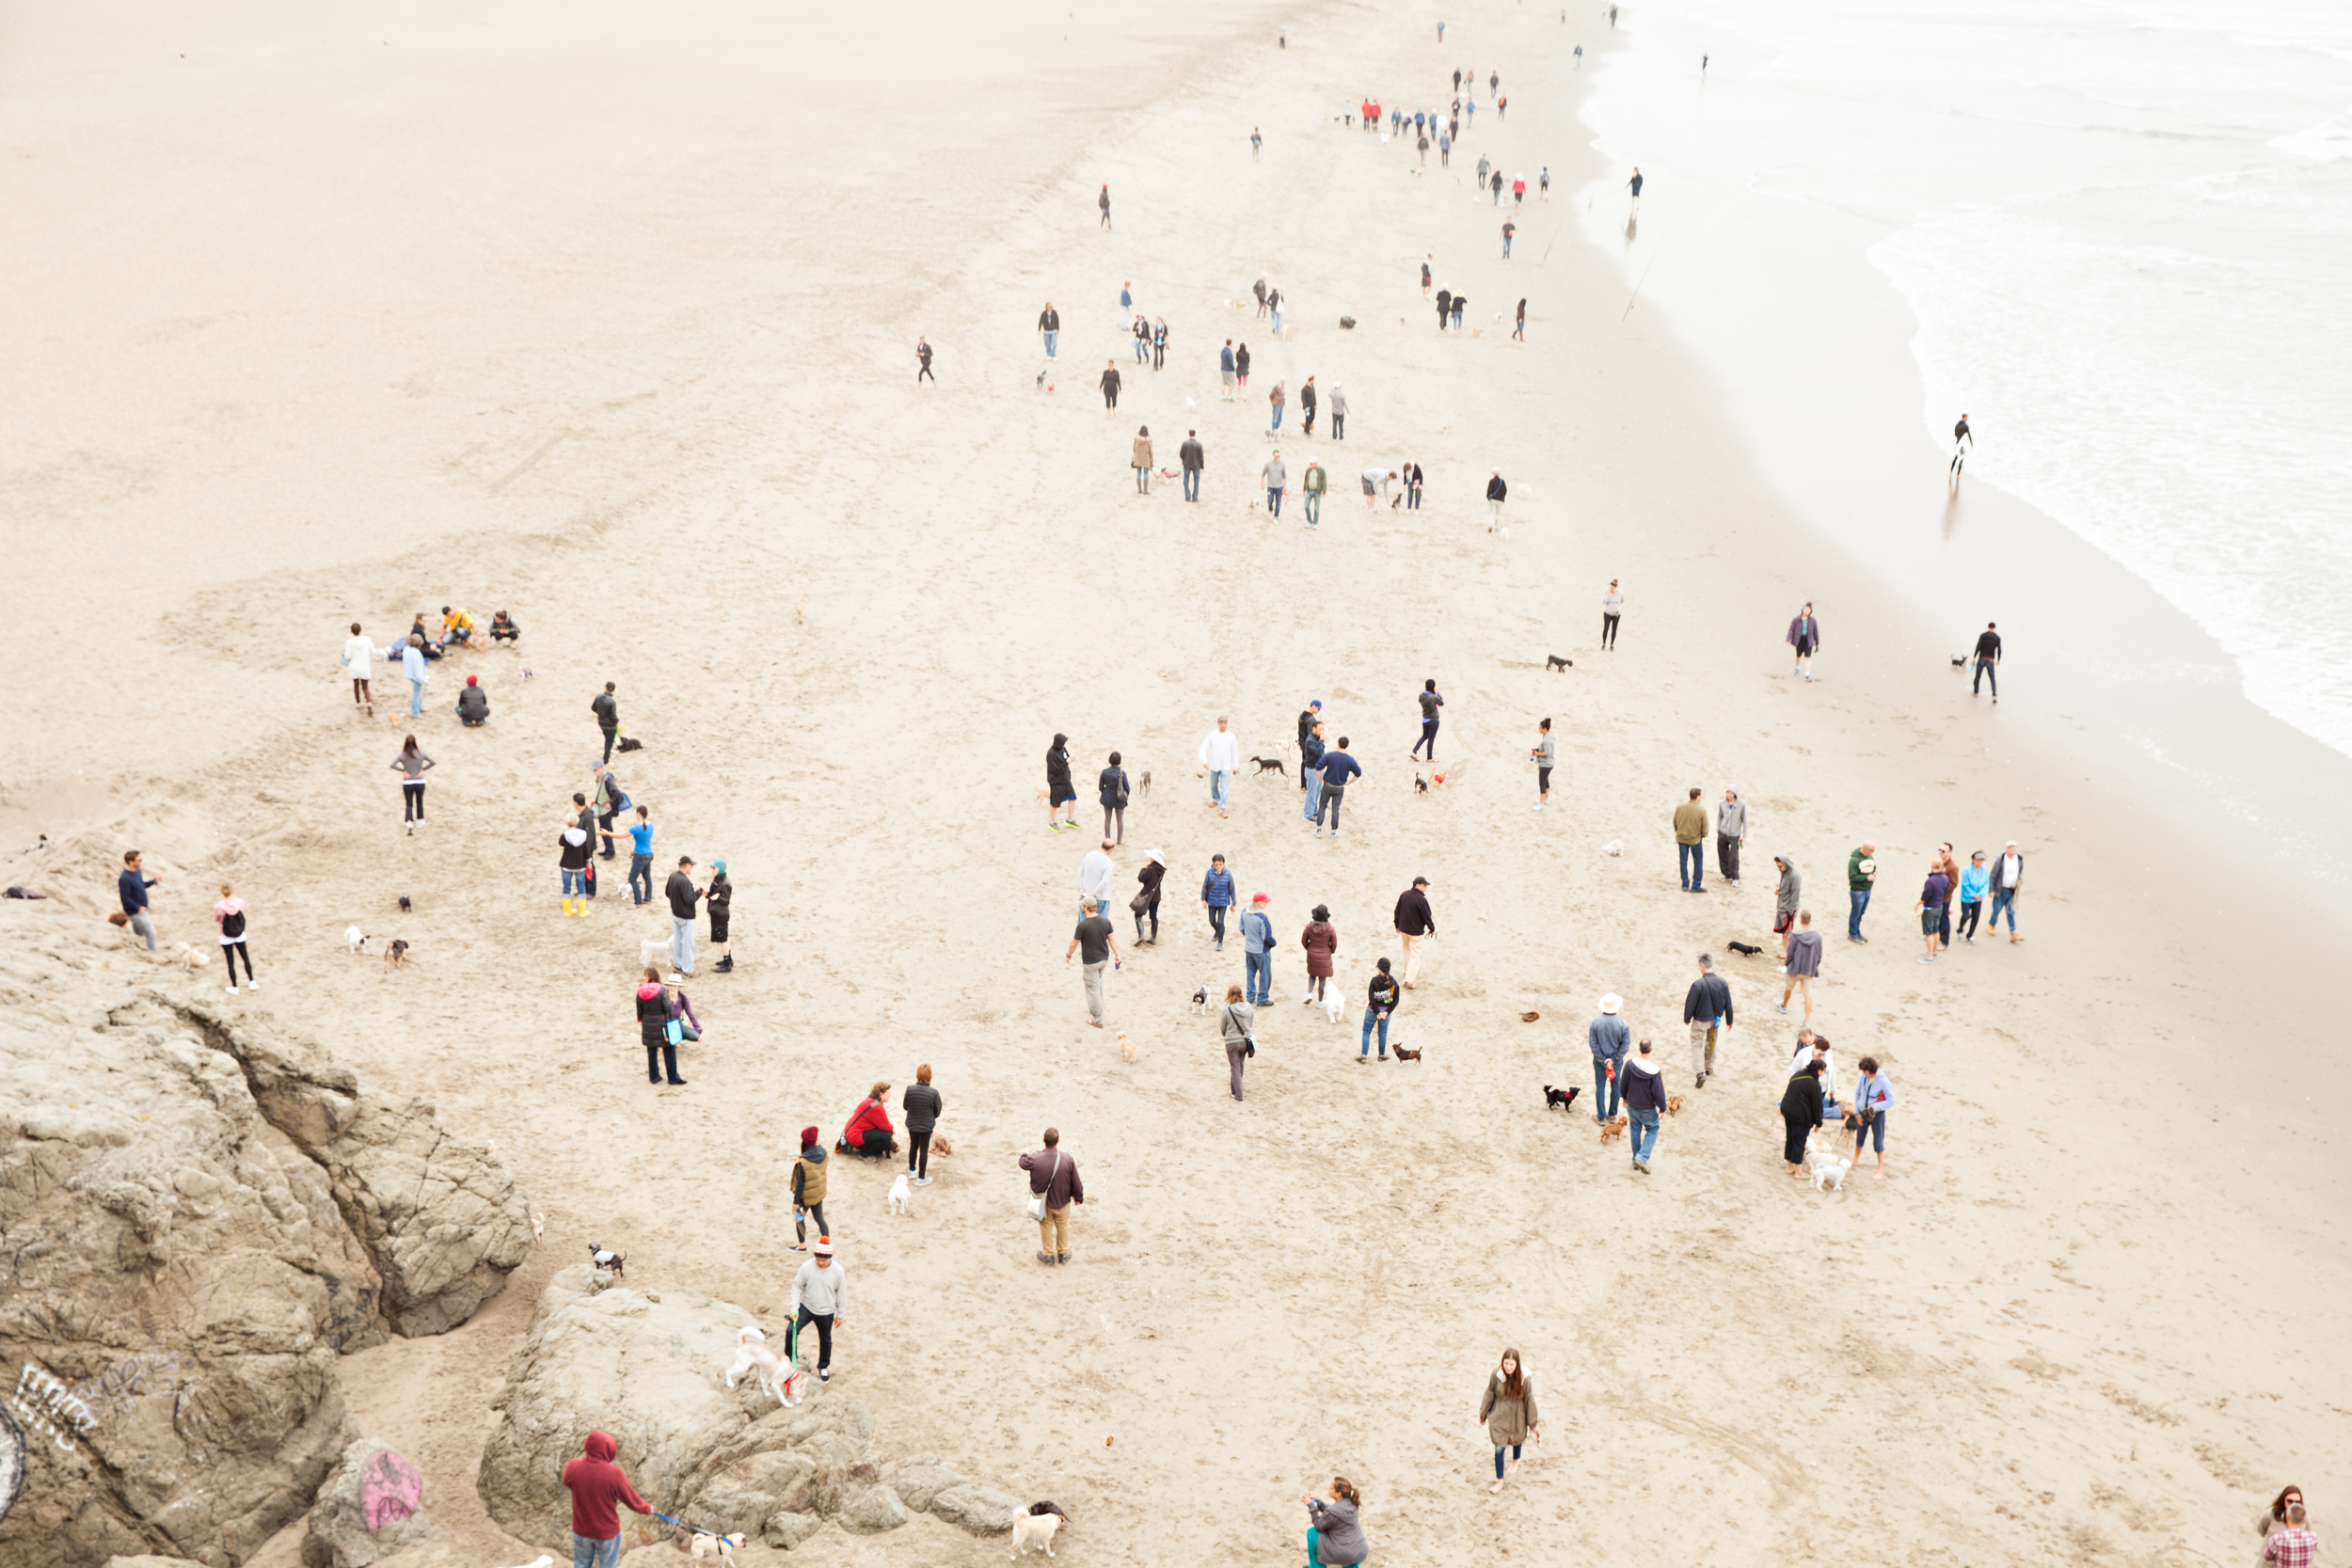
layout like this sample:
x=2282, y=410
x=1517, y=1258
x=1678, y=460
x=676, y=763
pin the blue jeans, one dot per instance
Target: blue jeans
x=1220, y=787
x=1192, y=485
x=1987, y=670
x=575, y=884
x=1515, y=1453
x=1278, y=418
x=1691, y=865
x=640, y=879
x=1644, y=1133
x=1507, y=247
x=1373, y=1015
x=415, y=698
x=1051, y=339
x=1257, y=981
x=1314, y=792
x=1428, y=739
x=2006, y=898
x=1607, y=1090
x=596, y=1554
x=1274, y=502
x=1314, y=508
x=1859, y=898
x=682, y=944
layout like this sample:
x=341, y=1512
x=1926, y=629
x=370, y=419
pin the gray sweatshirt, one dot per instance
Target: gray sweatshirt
x=1276, y=476
x=1341, y=1539
x=1731, y=819
x=1236, y=1020
x=822, y=1289
x=1785, y=895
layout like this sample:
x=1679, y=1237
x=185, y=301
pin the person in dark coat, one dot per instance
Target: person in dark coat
x=1321, y=939
x=1111, y=788
x=923, y=1106
x=653, y=1028
x=1800, y=1110
x=1059, y=791
x=1153, y=869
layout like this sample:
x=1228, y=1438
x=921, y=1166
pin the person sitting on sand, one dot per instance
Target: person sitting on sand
x=456, y=626
x=422, y=639
x=869, y=1134
x=503, y=629
x=473, y=703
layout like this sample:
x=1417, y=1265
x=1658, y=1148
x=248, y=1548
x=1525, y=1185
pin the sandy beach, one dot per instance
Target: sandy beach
x=609, y=320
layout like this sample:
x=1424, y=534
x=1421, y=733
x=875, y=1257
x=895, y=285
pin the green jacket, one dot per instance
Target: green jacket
x=1860, y=868
x=1314, y=481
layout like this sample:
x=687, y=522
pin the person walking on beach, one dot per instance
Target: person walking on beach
x=1258, y=943
x=1275, y=400
x=1256, y=141
x=1634, y=185
x=922, y=355
x=1445, y=154
x=1319, y=941
x=1705, y=1007
x=1445, y=306
x=1334, y=1537
x=1307, y=397
x=1519, y=324
x=1964, y=441
x=599, y=1488
x=1159, y=343
x=1103, y=201
x=1543, y=183
x=1313, y=484
x=410, y=763
x=1061, y=796
x=820, y=1295
x=1424, y=272
x=1309, y=716
x=1542, y=756
x=1049, y=323
x=641, y=859
x=1140, y=459
x=1412, y=485
x=1337, y=768
x=1276, y=477
x=1611, y=611
x=1094, y=878
x=1610, y=1040
x=1337, y=407
x=1415, y=922
x=1785, y=900
x=1497, y=492
x=1225, y=369
x=1420, y=144
x=1099, y=941
x=719, y=902
x=1146, y=898
x=1861, y=871
x=1430, y=702
x=2007, y=885
x=683, y=895
x=1273, y=306
x=1973, y=883
x=358, y=655
x=607, y=709
x=1802, y=964
x=1461, y=303
x=1053, y=1176
x=1261, y=291
x=1235, y=1022
x=1509, y=229
x=1689, y=824
x=1929, y=909
x=1518, y=186
x=1379, y=1002
x=1731, y=831
x=610, y=800
x=1872, y=1094
x=229, y=924
x=1800, y=1105
x=412, y=666
x=1220, y=754
x=1191, y=459
x=1951, y=868
x=653, y=1030
x=1507, y=1411
x=808, y=1189
x=1988, y=660
x=923, y=1106
x=131, y=885
x=1645, y=1098
x=1110, y=387
x=1805, y=635
x=1217, y=897
x=1311, y=754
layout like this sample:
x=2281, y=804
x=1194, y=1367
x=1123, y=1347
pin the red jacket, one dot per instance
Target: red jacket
x=597, y=1484
x=869, y=1113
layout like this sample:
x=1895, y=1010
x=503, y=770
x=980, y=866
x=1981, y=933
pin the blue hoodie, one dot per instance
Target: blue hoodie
x=1337, y=769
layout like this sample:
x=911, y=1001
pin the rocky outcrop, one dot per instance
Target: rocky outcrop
x=648, y=1366
x=370, y=1507
x=183, y=1276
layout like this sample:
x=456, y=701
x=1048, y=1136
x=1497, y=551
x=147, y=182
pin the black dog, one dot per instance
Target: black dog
x=630, y=743
x=1420, y=786
x=1558, y=1100
x=1053, y=1508
x=1554, y=661
x=404, y=903
x=1271, y=765
x=1347, y=324
x=1746, y=948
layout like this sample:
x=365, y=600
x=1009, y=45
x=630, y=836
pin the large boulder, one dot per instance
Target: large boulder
x=370, y=1507
x=183, y=1276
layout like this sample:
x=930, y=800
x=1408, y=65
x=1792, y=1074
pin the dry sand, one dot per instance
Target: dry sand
x=607, y=318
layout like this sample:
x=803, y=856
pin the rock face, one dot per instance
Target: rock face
x=648, y=1366
x=182, y=1276
x=370, y=1507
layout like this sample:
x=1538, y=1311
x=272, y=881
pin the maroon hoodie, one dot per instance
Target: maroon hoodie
x=597, y=1484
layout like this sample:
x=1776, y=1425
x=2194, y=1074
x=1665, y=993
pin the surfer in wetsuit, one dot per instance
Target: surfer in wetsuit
x=1963, y=439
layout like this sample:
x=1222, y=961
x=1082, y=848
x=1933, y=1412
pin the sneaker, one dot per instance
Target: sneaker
x=1927, y=957
x=1063, y=1258
x=232, y=990
x=1539, y=805
x=1361, y=1058
x=1642, y=1165
x=253, y=985
x=824, y=1374
x=1044, y=1257
x=922, y=1180
x=1780, y=1008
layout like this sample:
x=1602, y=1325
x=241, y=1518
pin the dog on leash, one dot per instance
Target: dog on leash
x=1036, y=1528
x=355, y=939
x=1554, y=661
x=1271, y=765
x=1829, y=1169
x=397, y=954
x=699, y=1545
x=1127, y=1047
x=753, y=1357
x=1610, y=1131
x=1200, y=1002
x=1559, y=1100
x=1745, y=949
x=900, y=1193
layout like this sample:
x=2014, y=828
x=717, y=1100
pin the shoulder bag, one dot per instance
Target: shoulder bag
x=1037, y=1200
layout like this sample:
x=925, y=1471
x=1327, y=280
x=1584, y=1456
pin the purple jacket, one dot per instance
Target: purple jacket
x=1805, y=626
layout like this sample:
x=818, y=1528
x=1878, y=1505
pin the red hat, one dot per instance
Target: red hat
x=1257, y=898
x=473, y=680
x=808, y=1137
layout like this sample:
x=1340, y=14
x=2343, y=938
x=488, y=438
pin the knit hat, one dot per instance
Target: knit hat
x=473, y=680
x=808, y=1137
x=719, y=866
x=824, y=1246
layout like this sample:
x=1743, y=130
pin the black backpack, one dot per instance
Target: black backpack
x=232, y=925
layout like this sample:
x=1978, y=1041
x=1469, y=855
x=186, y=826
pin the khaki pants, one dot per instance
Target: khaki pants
x=1702, y=1047
x=1413, y=956
x=1053, y=1232
x=1094, y=989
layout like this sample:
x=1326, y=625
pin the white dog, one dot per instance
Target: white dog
x=752, y=1355
x=703, y=1544
x=652, y=950
x=1829, y=1169
x=1200, y=1001
x=898, y=1195
x=1332, y=1003
x=355, y=939
x=1036, y=1529
x=1614, y=847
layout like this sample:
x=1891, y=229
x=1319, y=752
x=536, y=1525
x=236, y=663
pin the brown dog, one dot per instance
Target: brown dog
x=1404, y=1055
x=1673, y=1103
x=1613, y=1129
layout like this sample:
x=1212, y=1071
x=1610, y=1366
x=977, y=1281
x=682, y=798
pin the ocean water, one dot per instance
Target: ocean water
x=2123, y=232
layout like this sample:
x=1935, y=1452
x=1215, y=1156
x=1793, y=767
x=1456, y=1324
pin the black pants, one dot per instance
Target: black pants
x=1339, y=426
x=824, y=1334
x=925, y=374
x=1609, y=630
x=1799, y=1129
x=1727, y=857
x=1307, y=426
x=872, y=1144
x=1428, y=739
x=604, y=830
x=800, y=1218
x=1332, y=794
x=230, y=951
x=412, y=800
x=1153, y=910
x=1968, y=913
x=919, y=1151
x=658, y=1057
x=1216, y=922
x=1110, y=397
x=609, y=735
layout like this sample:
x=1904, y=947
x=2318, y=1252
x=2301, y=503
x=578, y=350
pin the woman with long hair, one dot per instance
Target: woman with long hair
x=1508, y=1412
x=229, y=920
x=410, y=765
x=1336, y=1537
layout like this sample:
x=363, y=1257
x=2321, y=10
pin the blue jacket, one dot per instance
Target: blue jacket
x=1608, y=1038
x=1972, y=884
x=1257, y=933
x=133, y=884
x=1337, y=768
x=1225, y=359
x=412, y=662
x=1216, y=888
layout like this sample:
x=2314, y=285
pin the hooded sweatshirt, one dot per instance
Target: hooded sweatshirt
x=1785, y=895
x=1644, y=1086
x=597, y=1488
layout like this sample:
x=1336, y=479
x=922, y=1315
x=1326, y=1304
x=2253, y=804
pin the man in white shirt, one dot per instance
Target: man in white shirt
x=359, y=656
x=1811, y=1047
x=1221, y=755
x=1095, y=876
x=2009, y=874
x=820, y=1295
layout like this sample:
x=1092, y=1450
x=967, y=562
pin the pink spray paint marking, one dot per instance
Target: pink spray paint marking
x=390, y=1489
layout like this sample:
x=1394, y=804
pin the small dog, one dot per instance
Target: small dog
x=1036, y=1528
x=538, y=1223
x=1610, y=1131
x=1614, y=847
x=1402, y=1054
x=1746, y=949
x=753, y=1355
x=1200, y=1002
x=1420, y=786
x=940, y=1143
x=698, y=1544
x=900, y=1192
x=1040, y=792
x=630, y=743
x=1559, y=1100
x=1960, y=663
x=1143, y=784
x=1554, y=661
x=1437, y=779
x=1829, y=1169
x=1127, y=1048
x=652, y=950
x=1347, y=324
x=1271, y=765
x=611, y=1263
x=405, y=906
x=1332, y=1003
x=397, y=954
x=187, y=957
x=1673, y=1103
x=1528, y=1018
x=355, y=939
